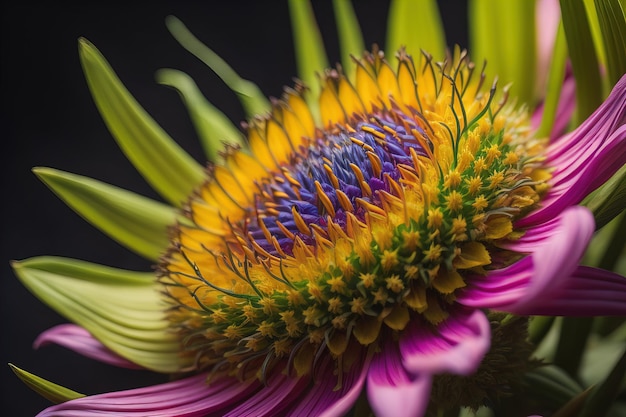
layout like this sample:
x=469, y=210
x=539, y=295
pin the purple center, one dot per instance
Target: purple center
x=391, y=145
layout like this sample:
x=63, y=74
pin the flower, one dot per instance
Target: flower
x=360, y=243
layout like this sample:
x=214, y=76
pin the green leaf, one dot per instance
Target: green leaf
x=350, y=36
x=252, y=99
x=311, y=57
x=583, y=58
x=122, y=309
x=613, y=28
x=556, y=75
x=602, y=396
x=551, y=386
x=168, y=168
x=538, y=328
x=214, y=127
x=503, y=33
x=417, y=26
x=573, y=338
x=609, y=200
x=136, y=222
x=49, y=390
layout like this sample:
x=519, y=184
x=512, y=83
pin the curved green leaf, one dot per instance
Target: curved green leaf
x=503, y=33
x=602, y=396
x=417, y=26
x=350, y=36
x=49, y=390
x=612, y=23
x=252, y=99
x=583, y=57
x=311, y=57
x=214, y=127
x=122, y=309
x=168, y=168
x=551, y=386
x=137, y=222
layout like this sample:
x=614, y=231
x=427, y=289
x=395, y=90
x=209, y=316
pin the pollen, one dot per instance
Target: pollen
x=454, y=201
x=357, y=305
x=367, y=279
x=433, y=253
x=389, y=260
x=394, y=283
x=337, y=284
x=335, y=305
x=435, y=218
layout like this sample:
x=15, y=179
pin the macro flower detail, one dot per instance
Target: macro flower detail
x=323, y=240
x=371, y=246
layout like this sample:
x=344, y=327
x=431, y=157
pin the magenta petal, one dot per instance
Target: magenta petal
x=323, y=400
x=81, y=341
x=391, y=391
x=455, y=346
x=280, y=392
x=556, y=248
x=585, y=158
x=587, y=292
x=188, y=397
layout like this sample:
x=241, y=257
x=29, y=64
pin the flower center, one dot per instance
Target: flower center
x=323, y=238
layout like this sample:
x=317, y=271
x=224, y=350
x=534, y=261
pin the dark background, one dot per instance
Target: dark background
x=49, y=119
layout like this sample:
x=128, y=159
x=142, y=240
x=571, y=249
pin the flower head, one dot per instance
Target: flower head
x=369, y=240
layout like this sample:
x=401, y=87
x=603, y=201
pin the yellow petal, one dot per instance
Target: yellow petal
x=398, y=318
x=472, y=254
x=498, y=227
x=367, y=329
x=448, y=281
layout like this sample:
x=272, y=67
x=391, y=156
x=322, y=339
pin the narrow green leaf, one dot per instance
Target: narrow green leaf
x=311, y=57
x=608, y=200
x=556, y=75
x=503, y=33
x=602, y=396
x=551, y=386
x=168, y=168
x=250, y=95
x=136, y=222
x=350, y=36
x=583, y=58
x=613, y=28
x=214, y=127
x=49, y=390
x=417, y=26
x=122, y=309
x=572, y=343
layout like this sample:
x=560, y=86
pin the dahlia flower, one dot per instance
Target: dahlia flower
x=383, y=230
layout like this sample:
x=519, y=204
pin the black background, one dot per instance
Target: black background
x=49, y=119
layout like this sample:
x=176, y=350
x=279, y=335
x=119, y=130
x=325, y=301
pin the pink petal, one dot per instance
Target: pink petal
x=585, y=158
x=280, y=392
x=81, y=341
x=323, y=400
x=188, y=397
x=390, y=390
x=550, y=281
x=587, y=292
x=455, y=346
